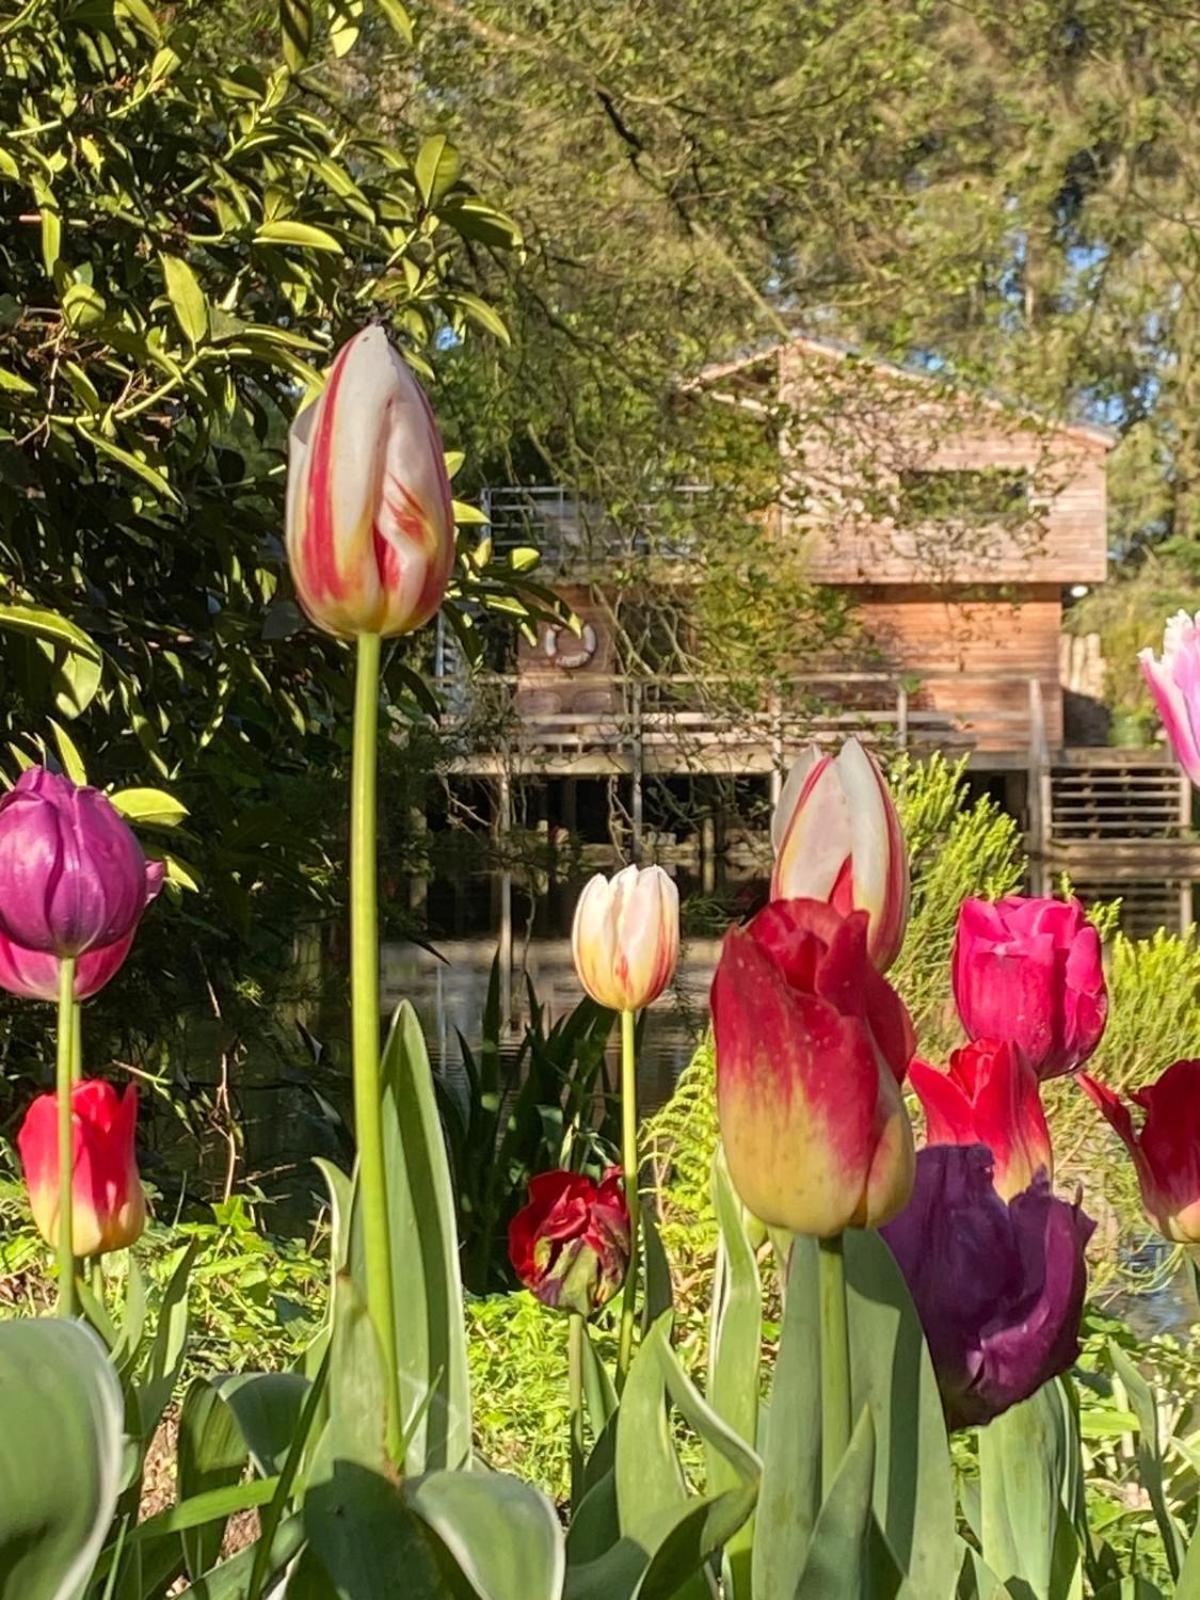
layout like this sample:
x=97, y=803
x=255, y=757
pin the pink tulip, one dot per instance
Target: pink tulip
x=1166, y=1153
x=812, y=1045
x=1174, y=683
x=837, y=838
x=1029, y=971
x=108, y=1209
x=625, y=938
x=370, y=524
x=989, y=1095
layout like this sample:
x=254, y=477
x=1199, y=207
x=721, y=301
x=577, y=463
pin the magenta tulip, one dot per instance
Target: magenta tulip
x=1029, y=971
x=1166, y=1152
x=33, y=974
x=990, y=1095
x=837, y=838
x=1174, y=682
x=72, y=874
x=812, y=1045
x=999, y=1288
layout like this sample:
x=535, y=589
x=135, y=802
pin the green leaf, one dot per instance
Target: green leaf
x=1022, y=1471
x=211, y=1454
x=230, y=1580
x=166, y=1353
x=12, y=384
x=266, y=1406
x=149, y=808
x=840, y=1558
x=83, y=306
x=142, y=469
x=73, y=763
x=60, y=1457
x=479, y=311
x=186, y=297
x=298, y=233
x=295, y=28
x=345, y=21
x=735, y=1345
x=435, y=169
x=399, y=18
x=428, y=1304
x=893, y=1375
x=790, y=1497
x=1149, y=1453
x=49, y=625
x=503, y=1535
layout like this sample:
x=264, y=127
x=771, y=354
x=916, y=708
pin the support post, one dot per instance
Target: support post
x=775, y=711
x=1040, y=796
x=708, y=853
x=635, y=706
x=902, y=717
x=503, y=829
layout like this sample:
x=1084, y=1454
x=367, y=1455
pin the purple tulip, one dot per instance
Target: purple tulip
x=999, y=1288
x=72, y=875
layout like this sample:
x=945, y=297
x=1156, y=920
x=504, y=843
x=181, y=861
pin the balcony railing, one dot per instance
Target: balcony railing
x=575, y=534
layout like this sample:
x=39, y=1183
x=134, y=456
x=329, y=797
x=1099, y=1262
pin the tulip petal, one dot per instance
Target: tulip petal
x=949, y=1117
x=818, y=840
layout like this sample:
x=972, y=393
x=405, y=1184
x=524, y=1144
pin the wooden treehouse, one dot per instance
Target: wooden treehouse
x=956, y=526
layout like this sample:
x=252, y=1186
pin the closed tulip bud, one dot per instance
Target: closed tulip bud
x=625, y=938
x=990, y=1095
x=837, y=838
x=72, y=875
x=108, y=1206
x=1174, y=682
x=999, y=1288
x=370, y=524
x=1030, y=970
x=33, y=974
x=812, y=1046
x=570, y=1244
x=1166, y=1152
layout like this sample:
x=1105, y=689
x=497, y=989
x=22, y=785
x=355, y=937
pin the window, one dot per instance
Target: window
x=985, y=495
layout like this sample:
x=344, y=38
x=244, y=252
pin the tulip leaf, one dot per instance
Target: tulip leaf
x=1149, y=1453
x=1135, y=1588
x=659, y=1295
x=229, y=1581
x=976, y=1579
x=427, y=1287
x=893, y=1375
x=735, y=1345
x=595, y=1526
x=503, y=1535
x=211, y=1454
x=791, y=1488
x=1188, y=1587
x=60, y=1457
x=266, y=1408
x=1026, y=1531
x=840, y=1554
x=166, y=1353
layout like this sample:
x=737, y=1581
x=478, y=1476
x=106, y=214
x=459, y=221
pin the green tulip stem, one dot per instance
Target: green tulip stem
x=364, y=1010
x=76, y=1042
x=630, y=1168
x=835, y=1361
x=65, y=1078
x=575, y=1338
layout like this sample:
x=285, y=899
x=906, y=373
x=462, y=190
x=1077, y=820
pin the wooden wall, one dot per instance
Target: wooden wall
x=546, y=684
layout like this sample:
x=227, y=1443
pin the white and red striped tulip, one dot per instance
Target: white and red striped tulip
x=1174, y=683
x=838, y=839
x=370, y=523
x=625, y=938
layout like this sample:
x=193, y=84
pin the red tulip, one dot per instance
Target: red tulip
x=370, y=523
x=990, y=1096
x=1029, y=970
x=1166, y=1153
x=33, y=974
x=812, y=1047
x=570, y=1244
x=837, y=838
x=109, y=1207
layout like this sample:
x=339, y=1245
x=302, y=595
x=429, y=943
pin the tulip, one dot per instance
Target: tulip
x=837, y=838
x=989, y=1095
x=1174, y=683
x=33, y=974
x=370, y=524
x=1166, y=1153
x=999, y=1288
x=72, y=874
x=571, y=1244
x=108, y=1210
x=625, y=938
x=1029, y=970
x=812, y=1046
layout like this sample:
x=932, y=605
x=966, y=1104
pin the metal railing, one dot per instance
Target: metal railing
x=573, y=534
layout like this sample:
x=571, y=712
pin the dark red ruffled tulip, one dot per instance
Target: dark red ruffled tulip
x=1029, y=970
x=989, y=1095
x=72, y=875
x=1166, y=1153
x=33, y=974
x=999, y=1288
x=570, y=1244
x=812, y=1046
x=108, y=1209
